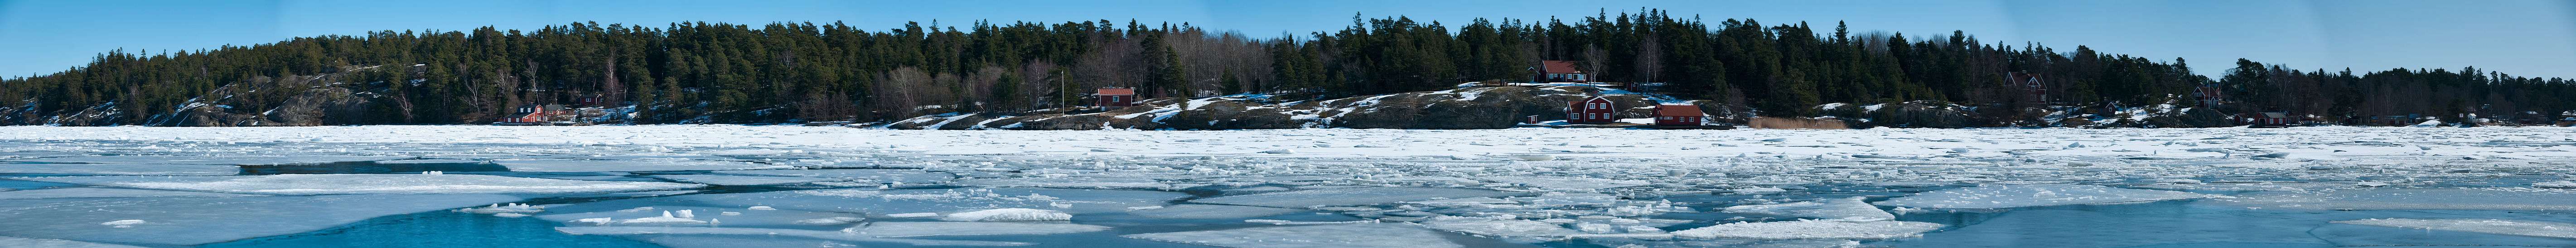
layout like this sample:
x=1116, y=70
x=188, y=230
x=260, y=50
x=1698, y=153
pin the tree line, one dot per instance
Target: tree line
x=700, y=72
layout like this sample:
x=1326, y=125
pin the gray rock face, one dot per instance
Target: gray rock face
x=1923, y=114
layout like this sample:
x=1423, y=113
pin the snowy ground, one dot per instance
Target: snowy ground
x=732, y=186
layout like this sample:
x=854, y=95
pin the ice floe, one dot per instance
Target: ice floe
x=2495, y=226
x=758, y=232
x=1351, y=196
x=312, y=184
x=1812, y=229
x=943, y=228
x=1008, y=215
x=579, y=165
x=1838, y=209
x=2014, y=196
x=2499, y=198
x=17, y=242
x=743, y=180
x=1309, y=236
x=123, y=169
x=1204, y=211
x=230, y=160
x=103, y=192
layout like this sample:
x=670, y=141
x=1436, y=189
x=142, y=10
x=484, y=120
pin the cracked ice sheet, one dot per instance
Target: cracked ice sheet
x=17, y=242
x=1309, y=236
x=200, y=220
x=1812, y=229
x=760, y=232
x=744, y=180
x=2014, y=196
x=2509, y=198
x=745, y=218
x=576, y=165
x=875, y=175
x=1843, y=208
x=2495, y=226
x=1064, y=182
x=1352, y=196
x=945, y=228
x=315, y=184
x=231, y=160
x=124, y=169
x=102, y=193
x=881, y=203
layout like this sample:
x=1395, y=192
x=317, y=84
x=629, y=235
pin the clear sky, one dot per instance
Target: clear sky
x=2521, y=37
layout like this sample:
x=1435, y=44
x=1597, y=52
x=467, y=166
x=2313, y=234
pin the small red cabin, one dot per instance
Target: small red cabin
x=533, y=113
x=1595, y=110
x=2274, y=120
x=1561, y=71
x=2208, y=95
x=1678, y=115
x=2034, y=92
x=1111, y=97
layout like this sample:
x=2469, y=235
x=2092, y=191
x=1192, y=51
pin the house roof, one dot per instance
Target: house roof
x=1118, y=91
x=2276, y=115
x=1559, y=66
x=1676, y=110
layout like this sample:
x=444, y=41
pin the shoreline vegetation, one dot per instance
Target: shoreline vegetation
x=1733, y=69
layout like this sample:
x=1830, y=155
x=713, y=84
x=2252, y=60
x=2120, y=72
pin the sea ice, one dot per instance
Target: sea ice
x=2415, y=199
x=743, y=180
x=2013, y=196
x=1204, y=211
x=765, y=219
x=17, y=242
x=875, y=175
x=314, y=184
x=739, y=232
x=1812, y=229
x=2495, y=226
x=200, y=220
x=231, y=160
x=1064, y=182
x=123, y=169
x=1567, y=183
x=885, y=229
x=1009, y=215
x=1838, y=209
x=574, y=165
x=937, y=200
x=1351, y=196
x=103, y=192
x=1309, y=236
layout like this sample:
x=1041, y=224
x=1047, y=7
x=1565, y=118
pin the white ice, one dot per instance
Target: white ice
x=1204, y=211
x=1310, y=236
x=884, y=229
x=743, y=180
x=769, y=232
x=2014, y=196
x=2495, y=226
x=765, y=218
x=1008, y=215
x=577, y=165
x=103, y=192
x=1838, y=209
x=230, y=160
x=1812, y=229
x=2414, y=199
x=314, y=184
x=17, y=242
x=878, y=203
x=873, y=175
x=123, y=169
x=1064, y=182
x=1351, y=196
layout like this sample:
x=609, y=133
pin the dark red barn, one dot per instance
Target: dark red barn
x=1113, y=97
x=1595, y=110
x=1677, y=115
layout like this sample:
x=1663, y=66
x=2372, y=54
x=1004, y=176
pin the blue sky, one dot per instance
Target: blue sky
x=2523, y=37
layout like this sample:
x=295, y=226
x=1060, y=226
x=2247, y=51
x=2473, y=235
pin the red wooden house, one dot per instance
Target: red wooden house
x=2274, y=120
x=2209, y=96
x=1561, y=71
x=1595, y=110
x=2033, y=91
x=1678, y=115
x=535, y=114
x=1113, y=97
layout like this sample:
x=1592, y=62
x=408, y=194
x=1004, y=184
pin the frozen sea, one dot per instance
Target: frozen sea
x=791, y=186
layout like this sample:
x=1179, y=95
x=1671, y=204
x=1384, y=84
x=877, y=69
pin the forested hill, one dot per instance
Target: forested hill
x=784, y=72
